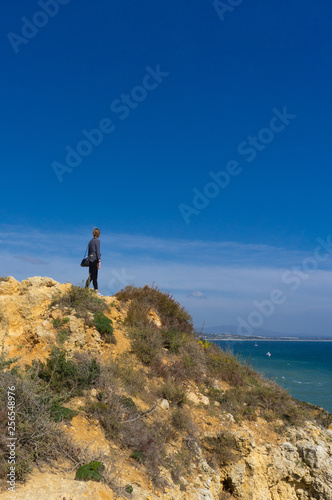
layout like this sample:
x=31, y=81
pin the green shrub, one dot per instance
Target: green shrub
x=90, y=472
x=67, y=375
x=173, y=339
x=128, y=403
x=138, y=455
x=147, y=338
x=81, y=301
x=215, y=394
x=322, y=417
x=56, y=322
x=128, y=488
x=104, y=326
x=62, y=335
x=59, y=413
x=180, y=463
x=270, y=398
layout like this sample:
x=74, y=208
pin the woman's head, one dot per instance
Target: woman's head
x=96, y=232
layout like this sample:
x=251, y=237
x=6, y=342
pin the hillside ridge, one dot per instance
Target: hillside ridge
x=124, y=382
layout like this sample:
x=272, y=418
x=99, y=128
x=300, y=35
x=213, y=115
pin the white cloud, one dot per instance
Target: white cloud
x=197, y=294
x=228, y=276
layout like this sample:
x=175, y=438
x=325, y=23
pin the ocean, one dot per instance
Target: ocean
x=303, y=368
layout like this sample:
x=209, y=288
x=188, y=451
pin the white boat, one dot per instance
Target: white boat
x=268, y=354
x=256, y=345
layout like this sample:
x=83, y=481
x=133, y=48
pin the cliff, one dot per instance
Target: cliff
x=122, y=383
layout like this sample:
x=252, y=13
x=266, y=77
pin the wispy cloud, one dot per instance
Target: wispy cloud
x=229, y=276
x=31, y=260
x=197, y=294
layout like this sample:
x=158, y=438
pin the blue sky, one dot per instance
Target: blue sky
x=142, y=109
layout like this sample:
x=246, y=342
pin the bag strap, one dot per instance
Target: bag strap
x=86, y=252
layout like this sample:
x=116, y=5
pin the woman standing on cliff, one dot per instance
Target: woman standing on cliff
x=94, y=260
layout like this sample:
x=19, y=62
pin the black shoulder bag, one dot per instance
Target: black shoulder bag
x=85, y=260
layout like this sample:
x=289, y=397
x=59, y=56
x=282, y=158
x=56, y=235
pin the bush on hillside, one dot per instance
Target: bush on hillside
x=90, y=472
x=225, y=366
x=173, y=392
x=221, y=448
x=39, y=440
x=148, y=339
x=267, y=399
x=122, y=422
x=104, y=326
x=146, y=343
x=123, y=371
x=173, y=340
x=171, y=313
x=65, y=375
x=83, y=302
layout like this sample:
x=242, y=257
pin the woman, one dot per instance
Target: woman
x=94, y=260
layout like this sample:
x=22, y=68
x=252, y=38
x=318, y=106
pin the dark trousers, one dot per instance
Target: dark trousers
x=93, y=275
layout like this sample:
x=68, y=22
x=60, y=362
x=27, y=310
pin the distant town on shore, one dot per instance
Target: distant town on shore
x=228, y=332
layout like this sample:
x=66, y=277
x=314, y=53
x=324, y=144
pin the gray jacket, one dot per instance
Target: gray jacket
x=94, y=250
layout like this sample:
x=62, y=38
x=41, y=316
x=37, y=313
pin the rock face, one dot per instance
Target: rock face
x=296, y=465
x=26, y=320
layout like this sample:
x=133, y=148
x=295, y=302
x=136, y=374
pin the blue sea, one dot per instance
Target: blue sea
x=303, y=368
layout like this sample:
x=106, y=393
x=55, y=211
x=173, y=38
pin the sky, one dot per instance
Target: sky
x=195, y=135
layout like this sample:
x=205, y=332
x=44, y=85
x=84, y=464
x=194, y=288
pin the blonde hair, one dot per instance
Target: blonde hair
x=96, y=232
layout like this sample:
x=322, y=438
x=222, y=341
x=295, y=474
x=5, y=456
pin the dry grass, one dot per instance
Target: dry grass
x=173, y=392
x=171, y=313
x=221, y=449
x=83, y=302
x=146, y=342
x=39, y=439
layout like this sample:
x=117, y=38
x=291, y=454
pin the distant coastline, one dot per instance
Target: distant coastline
x=260, y=339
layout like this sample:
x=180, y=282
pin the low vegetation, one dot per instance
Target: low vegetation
x=66, y=376
x=143, y=299
x=149, y=338
x=165, y=360
x=39, y=439
x=104, y=326
x=90, y=472
x=221, y=449
x=83, y=302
